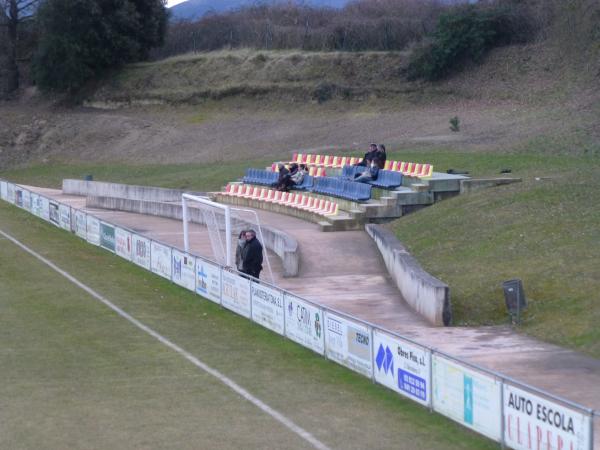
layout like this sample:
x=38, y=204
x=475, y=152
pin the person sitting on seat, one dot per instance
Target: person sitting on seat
x=366, y=161
x=284, y=175
x=296, y=175
x=368, y=175
x=380, y=156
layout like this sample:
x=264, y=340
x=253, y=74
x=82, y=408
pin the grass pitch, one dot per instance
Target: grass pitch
x=76, y=375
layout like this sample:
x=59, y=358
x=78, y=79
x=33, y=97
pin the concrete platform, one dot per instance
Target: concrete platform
x=345, y=271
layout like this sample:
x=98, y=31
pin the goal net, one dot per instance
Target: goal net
x=220, y=225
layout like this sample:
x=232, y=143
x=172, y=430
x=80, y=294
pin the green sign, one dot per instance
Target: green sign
x=107, y=236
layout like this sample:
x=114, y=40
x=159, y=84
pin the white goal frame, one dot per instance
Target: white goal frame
x=185, y=198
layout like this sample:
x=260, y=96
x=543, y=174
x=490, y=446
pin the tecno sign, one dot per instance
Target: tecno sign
x=534, y=423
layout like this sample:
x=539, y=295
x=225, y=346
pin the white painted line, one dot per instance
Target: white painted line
x=187, y=355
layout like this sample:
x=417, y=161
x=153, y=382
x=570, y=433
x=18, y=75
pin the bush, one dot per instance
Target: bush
x=465, y=34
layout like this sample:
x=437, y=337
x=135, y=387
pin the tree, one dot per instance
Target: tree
x=81, y=39
x=13, y=13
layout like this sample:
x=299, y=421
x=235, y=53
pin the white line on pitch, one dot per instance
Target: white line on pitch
x=187, y=355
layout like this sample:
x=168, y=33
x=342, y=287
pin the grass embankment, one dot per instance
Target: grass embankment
x=543, y=231
x=76, y=375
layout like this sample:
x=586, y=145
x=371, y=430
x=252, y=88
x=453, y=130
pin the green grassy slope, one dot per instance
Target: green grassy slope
x=76, y=375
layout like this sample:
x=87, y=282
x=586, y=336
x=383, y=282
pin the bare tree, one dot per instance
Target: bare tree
x=13, y=13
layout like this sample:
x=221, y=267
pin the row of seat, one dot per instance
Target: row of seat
x=338, y=187
x=259, y=176
x=385, y=180
x=291, y=199
x=411, y=169
x=312, y=171
x=268, y=178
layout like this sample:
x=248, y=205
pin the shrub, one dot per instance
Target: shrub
x=465, y=34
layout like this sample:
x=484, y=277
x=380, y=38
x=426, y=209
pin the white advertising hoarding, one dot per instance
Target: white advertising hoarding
x=533, y=422
x=140, y=251
x=54, y=214
x=93, y=230
x=235, y=293
x=304, y=323
x=10, y=192
x=184, y=270
x=26, y=200
x=64, y=212
x=208, y=280
x=3, y=190
x=36, y=206
x=466, y=396
x=160, y=260
x=402, y=367
x=80, y=224
x=44, y=205
x=348, y=343
x=267, y=307
x=123, y=243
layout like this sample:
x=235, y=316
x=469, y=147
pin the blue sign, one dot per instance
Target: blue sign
x=468, y=393
x=385, y=359
x=412, y=384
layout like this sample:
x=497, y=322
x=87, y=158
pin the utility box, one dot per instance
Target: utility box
x=514, y=296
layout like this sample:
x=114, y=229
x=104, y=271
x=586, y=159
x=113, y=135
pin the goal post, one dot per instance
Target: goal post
x=220, y=220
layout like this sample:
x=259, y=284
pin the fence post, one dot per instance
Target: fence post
x=431, y=380
x=502, y=443
x=372, y=354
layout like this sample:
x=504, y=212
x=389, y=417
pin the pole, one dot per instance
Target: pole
x=228, y=235
x=186, y=242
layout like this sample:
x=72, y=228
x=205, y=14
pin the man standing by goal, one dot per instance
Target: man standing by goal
x=252, y=255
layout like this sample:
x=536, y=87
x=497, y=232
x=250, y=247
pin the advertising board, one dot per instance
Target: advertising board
x=36, y=206
x=235, y=293
x=304, y=323
x=3, y=190
x=267, y=307
x=10, y=193
x=402, y=367
x=26, y=200
x=184, y=270
x=140, y=251
x=533, y=422
x=123, y=243
x=54, y=214
x=208, y=280
x=107, y=236
x=64, y=214
x=160, y=259
x=93, y=230
x=18, y=196
x=466, y=396
x=348, y=343
x=80, y=224
x=44, y=205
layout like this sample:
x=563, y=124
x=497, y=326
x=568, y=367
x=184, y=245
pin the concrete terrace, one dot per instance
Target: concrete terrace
x=345, y=271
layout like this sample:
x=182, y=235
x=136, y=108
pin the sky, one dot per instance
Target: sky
x=174, y=2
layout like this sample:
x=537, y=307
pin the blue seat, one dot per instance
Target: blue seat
x=307, y=183
x=387, y=179
x=262, y=177
x=339, y=187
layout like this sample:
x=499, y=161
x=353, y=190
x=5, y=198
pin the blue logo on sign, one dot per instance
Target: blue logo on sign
x=385, y=359
x=468, y=397
x=412, y=384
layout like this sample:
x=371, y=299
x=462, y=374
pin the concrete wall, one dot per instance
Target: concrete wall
x=275, y=240
x=425, y=293
x=132, y=192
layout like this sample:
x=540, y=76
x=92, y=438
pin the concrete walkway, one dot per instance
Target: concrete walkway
x=345, y=271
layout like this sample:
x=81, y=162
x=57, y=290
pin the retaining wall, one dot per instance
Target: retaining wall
x=426, y=294
x=283, y=245
x=129, y=191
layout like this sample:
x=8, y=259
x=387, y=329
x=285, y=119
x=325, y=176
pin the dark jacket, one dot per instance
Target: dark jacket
x=366, y=161
x=252, y=257
x=380, y=158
